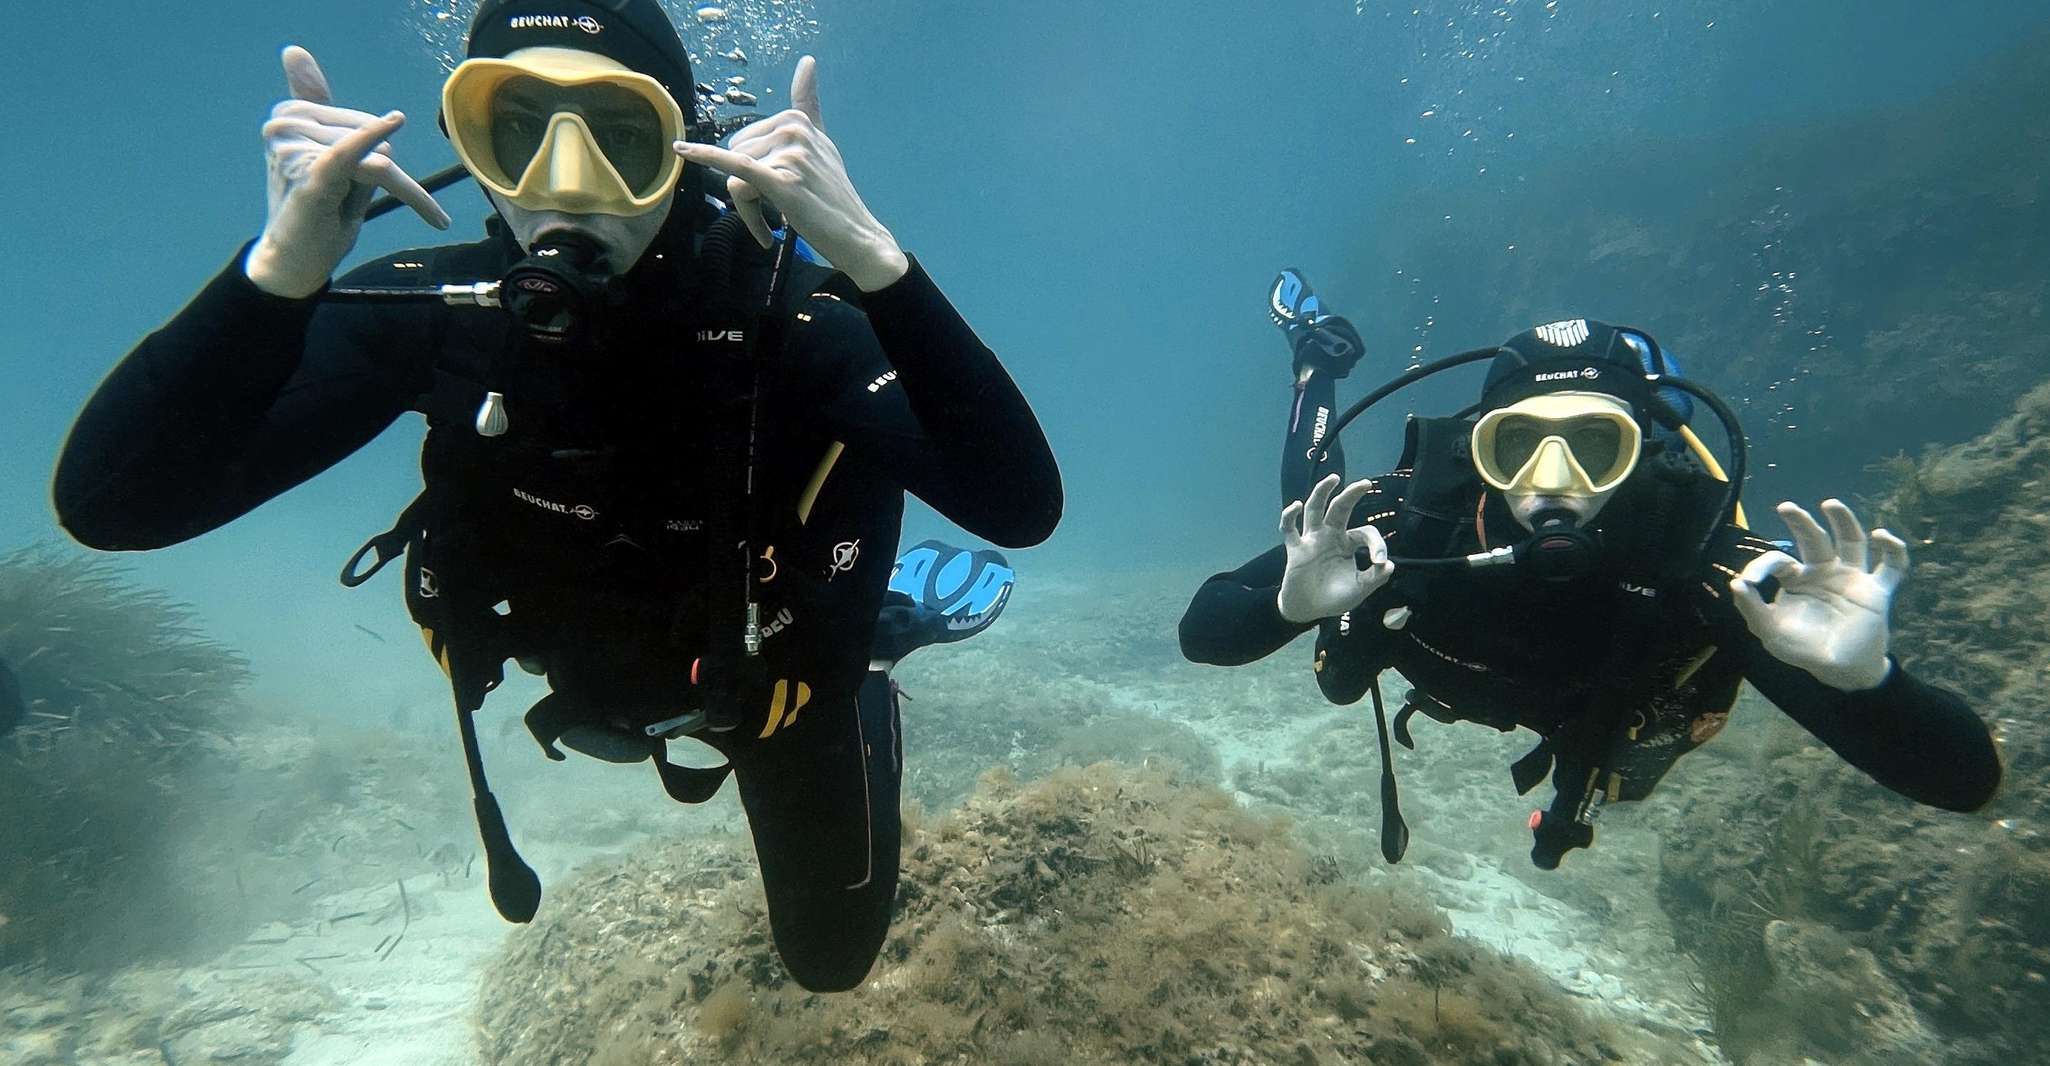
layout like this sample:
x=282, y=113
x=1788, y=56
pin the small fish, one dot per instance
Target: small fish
x=737, y=56
x=710, y=13
x=739, y=96
x=372, y=634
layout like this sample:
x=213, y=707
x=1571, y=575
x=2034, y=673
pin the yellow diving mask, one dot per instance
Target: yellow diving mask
x=1570, y=444
x=558, y=129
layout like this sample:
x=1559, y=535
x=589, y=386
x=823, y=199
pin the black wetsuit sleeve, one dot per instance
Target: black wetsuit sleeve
x=1234, y=619
x=239, y=397
x=1921, y=741
x=916, y=388
x=1916, y=739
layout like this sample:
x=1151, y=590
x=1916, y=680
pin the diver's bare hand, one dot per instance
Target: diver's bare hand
x=1830, y=617
x=788, y=160
x=1323, y=578
x=325, y=162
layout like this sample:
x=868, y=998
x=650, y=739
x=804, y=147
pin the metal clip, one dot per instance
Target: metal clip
x=682, y=723
x=475, y=294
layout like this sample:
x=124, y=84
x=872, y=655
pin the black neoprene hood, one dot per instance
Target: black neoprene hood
x=637, y=33
x=1580, y=355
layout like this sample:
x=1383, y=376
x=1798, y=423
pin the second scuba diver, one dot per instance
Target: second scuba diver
x=670, y=479
x=1573, y=561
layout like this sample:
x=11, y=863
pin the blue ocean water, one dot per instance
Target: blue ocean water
x=1105, y=190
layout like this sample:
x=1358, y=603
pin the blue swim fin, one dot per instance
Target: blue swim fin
x=1318, y=339
x=940, y=594
x=1290, y=303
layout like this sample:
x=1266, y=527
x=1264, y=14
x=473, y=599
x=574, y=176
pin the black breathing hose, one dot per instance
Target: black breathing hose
x=435, y=182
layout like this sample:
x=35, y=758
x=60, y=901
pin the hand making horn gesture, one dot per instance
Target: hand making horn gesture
x=788, y=160
x=1830, y=615
x=325, y=163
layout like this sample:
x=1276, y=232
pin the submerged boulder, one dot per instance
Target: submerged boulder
x=1101, y=915
x=1789, y=848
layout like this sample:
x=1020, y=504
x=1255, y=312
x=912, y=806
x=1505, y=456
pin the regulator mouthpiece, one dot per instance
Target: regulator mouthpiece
x=560, y=290
x=1558, y=548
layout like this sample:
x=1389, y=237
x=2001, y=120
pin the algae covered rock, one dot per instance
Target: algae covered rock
x=1848, y=1006
x=1101, y=915
x=1953, y=910
x=158, y=1017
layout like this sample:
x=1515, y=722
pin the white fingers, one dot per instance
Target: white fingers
x=804, y=91
x=1893, y=559
x=385, y=173
x=325, y=114
x=353, y=160
x=339, y=162
x=1851, y=546
x=1770, y=566
x=747, y=203
x=303, y=76
x=364, y=158
x=758, y=139
x=1291, y=525
x=1317, y=505
x=1757, y=614
x=731, y=163
x=280, y=129
x=1369, y=539
x=1340, y=512
x=1809, y=538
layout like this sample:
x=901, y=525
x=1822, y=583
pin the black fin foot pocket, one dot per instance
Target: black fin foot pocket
x=515, y=887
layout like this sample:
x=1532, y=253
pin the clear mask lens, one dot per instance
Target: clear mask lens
x=1603, y=447
x=625, y=127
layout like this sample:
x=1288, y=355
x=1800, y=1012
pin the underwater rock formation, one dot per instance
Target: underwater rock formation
x=1853, y=286
x=1949, y=908
x=120, y=695
x=1102, y=915
x=155, y=1017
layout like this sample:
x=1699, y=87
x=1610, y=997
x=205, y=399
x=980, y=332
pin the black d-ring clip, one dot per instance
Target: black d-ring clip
x=383, y=544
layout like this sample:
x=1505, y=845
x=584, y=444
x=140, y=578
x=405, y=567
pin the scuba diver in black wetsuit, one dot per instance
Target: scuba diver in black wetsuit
x=1573, y=561
x=667, y=472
